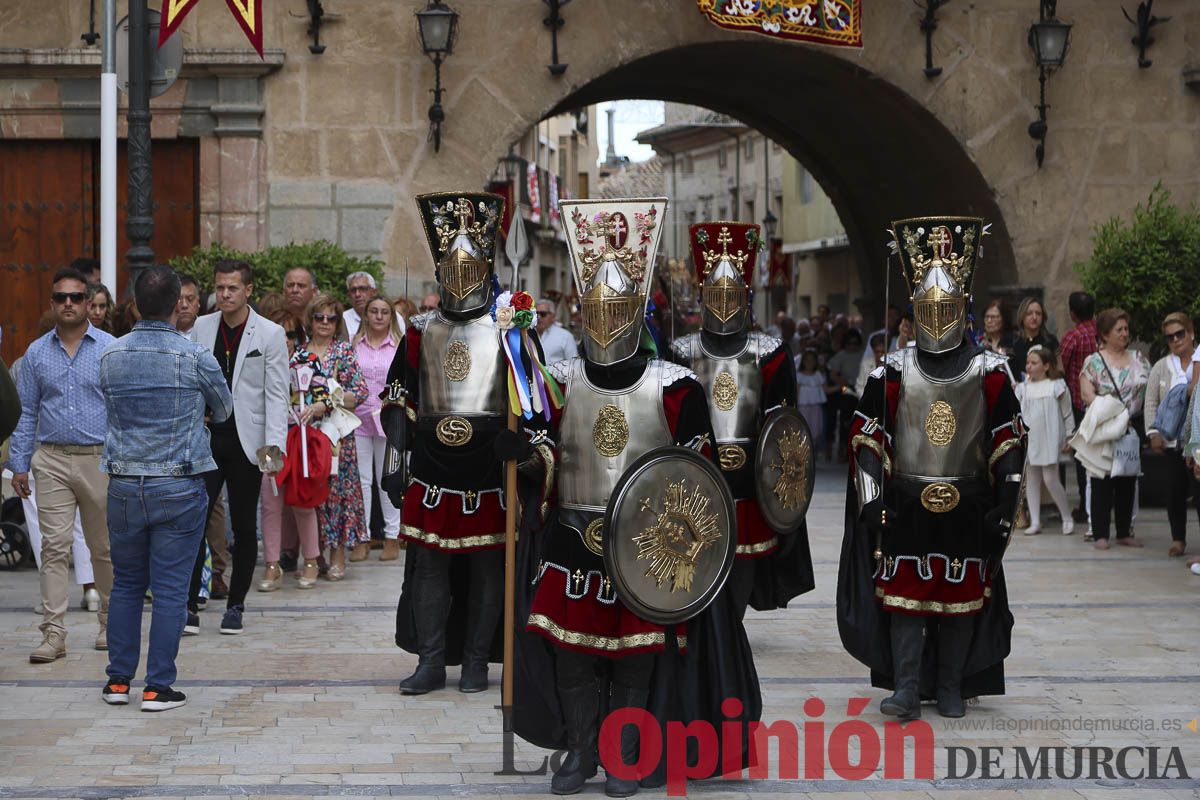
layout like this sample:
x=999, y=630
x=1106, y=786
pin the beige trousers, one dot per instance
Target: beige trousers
x=214, y=534
x=69, y=479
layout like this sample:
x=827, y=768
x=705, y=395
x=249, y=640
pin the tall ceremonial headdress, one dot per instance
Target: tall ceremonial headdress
x=725, y=255
x=939, y=256
x=462, y=228
x=613, y=245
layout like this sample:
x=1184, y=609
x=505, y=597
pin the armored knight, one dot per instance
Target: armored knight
x=747, y=375
x=621, y=401
x=449, y=380
x=937, y=445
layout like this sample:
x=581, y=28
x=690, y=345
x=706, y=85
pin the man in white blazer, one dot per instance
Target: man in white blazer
x=253, y=355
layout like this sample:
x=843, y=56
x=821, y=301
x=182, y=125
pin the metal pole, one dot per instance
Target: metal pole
x=108, y=149
x=139, y=225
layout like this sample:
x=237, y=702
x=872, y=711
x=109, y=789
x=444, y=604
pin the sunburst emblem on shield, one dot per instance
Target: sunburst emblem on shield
x=791, y=487
x=682, y=530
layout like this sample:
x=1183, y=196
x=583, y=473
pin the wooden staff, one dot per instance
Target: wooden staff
x=510, y=576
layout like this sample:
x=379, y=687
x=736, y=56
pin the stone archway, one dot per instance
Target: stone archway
x=878, y=154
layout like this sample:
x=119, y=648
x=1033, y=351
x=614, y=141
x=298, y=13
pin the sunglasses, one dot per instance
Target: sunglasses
x=74, y=297
x=1177, y=335
x=325, y=318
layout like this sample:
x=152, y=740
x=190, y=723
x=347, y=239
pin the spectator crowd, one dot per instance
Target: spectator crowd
x=161, y=438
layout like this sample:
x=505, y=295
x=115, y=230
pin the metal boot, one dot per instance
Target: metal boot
x=954, y=639
x=907, y=643
x=581, y=708
x=624, y=697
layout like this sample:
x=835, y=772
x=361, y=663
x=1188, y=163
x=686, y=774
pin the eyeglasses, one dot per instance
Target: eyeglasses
x=1177, y=335
x=545, y=313
x=358, y=289
x=325, y=318
x=74, y=297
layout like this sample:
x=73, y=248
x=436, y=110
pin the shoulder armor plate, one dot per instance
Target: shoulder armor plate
x=764, y=345
x=686, y=346
x=561, y=370
x=993, y=361
x=673, y=372
x=419, y=321
x=897, y=358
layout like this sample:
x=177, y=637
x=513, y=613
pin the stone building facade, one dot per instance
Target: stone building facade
x=298, y=145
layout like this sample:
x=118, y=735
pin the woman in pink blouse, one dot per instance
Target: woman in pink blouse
x=375, y=344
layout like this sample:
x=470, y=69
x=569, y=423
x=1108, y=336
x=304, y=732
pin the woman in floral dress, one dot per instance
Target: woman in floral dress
x=342, y=519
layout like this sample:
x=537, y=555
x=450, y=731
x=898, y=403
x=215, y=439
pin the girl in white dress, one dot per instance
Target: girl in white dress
x=1046, y=407
x=811, y=390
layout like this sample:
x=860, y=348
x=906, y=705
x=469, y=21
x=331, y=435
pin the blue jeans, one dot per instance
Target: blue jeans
x=154, y=528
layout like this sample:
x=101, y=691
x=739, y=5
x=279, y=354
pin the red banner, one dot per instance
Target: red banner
x=779, y=270
x=507, y=190
x=248, y=14
x=832, y=22
x=535, y=196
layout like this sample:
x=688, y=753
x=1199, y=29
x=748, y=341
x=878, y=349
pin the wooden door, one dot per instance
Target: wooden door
x=45, y=223
x=50, y=215
x=175, y=165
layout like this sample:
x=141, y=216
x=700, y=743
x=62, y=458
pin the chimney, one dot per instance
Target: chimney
x=611, y=155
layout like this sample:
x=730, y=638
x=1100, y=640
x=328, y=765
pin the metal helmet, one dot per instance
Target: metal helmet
x=724, y=254
x=461, y=228
x=613, y=244
x=939, y=257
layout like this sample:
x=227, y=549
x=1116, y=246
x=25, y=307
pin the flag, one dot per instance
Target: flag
x=248, y=14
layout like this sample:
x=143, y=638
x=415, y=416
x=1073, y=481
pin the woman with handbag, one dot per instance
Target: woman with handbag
x=1122, y=373
x=315, y=405
x=1166, y=405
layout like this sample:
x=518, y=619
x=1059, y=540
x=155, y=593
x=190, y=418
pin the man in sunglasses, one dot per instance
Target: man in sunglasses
x=557, y=343
x=63, y=418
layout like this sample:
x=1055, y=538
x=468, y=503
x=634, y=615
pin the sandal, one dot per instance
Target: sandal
x=272, y=579
x=1128, y=541
x=1101, y=544
x=1177, y=549
x=336, y=572
x=308, y=578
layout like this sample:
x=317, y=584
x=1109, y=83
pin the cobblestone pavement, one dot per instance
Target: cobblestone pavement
x=305, y=702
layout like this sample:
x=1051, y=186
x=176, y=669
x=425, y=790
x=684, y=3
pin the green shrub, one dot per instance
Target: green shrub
x=328, y=262
x=1149, y=267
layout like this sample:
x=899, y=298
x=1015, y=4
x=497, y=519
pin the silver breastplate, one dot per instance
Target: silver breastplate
x=734, y=389
x=603, y=432
x=941, y=426
x=462, y=369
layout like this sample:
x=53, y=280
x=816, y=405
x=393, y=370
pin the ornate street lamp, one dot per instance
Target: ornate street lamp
x=770, y=223
x=437, y=25
x=1049, y=39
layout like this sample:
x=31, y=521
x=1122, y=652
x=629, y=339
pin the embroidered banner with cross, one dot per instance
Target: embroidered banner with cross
x=832, y=22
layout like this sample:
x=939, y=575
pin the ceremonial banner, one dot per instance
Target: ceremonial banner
x=832, y=22
x=778, y=265
x=248, y=14
x=535, y=194
x=553, y=201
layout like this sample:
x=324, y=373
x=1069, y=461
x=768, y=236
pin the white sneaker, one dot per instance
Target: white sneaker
x=91, y=600
x=1068, y=526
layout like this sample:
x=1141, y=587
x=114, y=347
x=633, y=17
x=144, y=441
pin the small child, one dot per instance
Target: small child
x=1046, y=407
x=811, y=392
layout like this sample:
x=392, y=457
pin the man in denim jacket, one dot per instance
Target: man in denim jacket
x=157, y=385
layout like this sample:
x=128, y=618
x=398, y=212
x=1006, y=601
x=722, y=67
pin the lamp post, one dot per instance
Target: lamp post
x=139, y=224
x=437, y=25
x=1049, y=39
